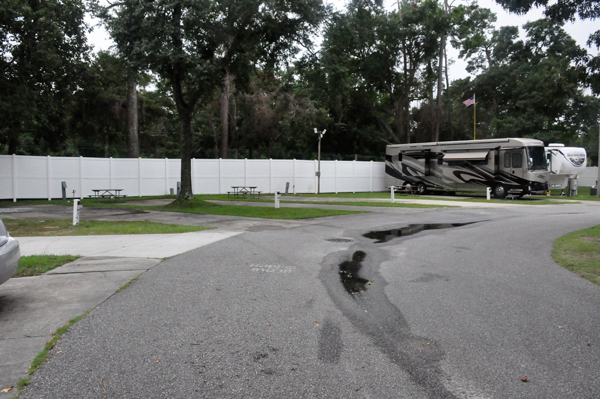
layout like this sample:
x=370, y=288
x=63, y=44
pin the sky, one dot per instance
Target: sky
x=580, y=30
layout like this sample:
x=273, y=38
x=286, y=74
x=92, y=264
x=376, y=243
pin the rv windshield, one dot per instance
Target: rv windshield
x=536, y=158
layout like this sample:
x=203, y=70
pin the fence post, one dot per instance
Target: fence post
x=354, y=176
x=220, y=175
x=139, y=176
x=49, y=178
x=294, y=176
x=14, y=177
x=193, y=175
x=270, y=175
x=245, y=171
x=80, y=178
x=166, y=176
x=371, y=182
x=110, y=172
x=336, y=176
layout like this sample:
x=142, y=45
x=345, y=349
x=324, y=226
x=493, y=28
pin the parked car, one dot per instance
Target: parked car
x=10, y=254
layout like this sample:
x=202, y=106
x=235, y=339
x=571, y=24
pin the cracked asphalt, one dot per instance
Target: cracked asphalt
x=320, y=308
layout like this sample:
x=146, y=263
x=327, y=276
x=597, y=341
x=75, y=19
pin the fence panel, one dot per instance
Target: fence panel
x=588, y=177
x=205, y=173
x=31, y=176
x=62, y=169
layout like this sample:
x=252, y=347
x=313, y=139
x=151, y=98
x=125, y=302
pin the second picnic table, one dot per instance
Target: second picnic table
x=244, y=191
x=110, y=193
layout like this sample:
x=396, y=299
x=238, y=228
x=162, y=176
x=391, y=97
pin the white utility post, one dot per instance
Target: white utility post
x=319, y=160
x=392, y=193
x=76, y=208
x=489, y=192
x=277, y=196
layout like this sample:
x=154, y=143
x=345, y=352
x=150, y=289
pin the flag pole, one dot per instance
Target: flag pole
x=474, y=118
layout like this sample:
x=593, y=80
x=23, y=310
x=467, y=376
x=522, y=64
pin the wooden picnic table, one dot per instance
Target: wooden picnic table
x=109, y=193
x=244, y=192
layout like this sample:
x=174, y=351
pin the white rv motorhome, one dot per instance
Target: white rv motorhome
x=564, y=163
x=508, y=165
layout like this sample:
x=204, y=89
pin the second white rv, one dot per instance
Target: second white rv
x=512, y=165
x=564, y=163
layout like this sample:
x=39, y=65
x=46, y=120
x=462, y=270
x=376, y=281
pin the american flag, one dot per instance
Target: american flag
x=469, y=102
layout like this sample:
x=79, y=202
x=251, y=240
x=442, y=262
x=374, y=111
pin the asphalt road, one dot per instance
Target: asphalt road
x=318, y=310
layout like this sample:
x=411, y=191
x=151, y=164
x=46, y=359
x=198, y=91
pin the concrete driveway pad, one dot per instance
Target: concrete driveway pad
x=138, y=245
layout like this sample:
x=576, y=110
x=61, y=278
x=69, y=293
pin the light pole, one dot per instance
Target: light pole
x=320, y=134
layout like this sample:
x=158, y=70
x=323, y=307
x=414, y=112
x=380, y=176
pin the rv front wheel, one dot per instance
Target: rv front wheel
x=421, y=188
x=500, y=191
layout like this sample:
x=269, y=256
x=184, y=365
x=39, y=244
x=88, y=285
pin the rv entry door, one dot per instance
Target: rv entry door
x=513, y=162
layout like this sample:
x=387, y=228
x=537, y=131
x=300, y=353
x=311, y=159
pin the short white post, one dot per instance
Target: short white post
x=76, y=208
x=277, y=196
x=489, y=192
x=392, y=193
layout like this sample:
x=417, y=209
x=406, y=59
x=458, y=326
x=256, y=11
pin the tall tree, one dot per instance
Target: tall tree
x=383, y=59
x=133, y=144
x=527, y=88
x=42, y=54
x=192, y=44
x=562, y=11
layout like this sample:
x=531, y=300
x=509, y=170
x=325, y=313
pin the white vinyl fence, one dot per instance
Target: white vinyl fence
x=588, y=177
x=24, y=177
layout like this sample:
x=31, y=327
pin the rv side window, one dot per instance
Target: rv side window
x=517, y=160
x=507, y=160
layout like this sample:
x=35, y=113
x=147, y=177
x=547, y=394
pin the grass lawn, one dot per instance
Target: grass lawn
x=580, y=253
x=34, y=265
x=61, y=227
x=380, y=204
x=583, y=193
x=200, y=206
x=474, y=197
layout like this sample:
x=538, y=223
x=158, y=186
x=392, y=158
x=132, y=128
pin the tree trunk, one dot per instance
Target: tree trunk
x=225, y=116
x=234, y=127
x=13, y=142
x=185, y=120
x=399, y=113
x=450, y=108
x=438, y=102
x=133, y=145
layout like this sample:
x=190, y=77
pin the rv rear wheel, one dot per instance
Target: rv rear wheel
x=500, y=191
x=421, y=188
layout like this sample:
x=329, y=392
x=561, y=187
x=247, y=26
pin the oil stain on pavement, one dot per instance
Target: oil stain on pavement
x=354, y=283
